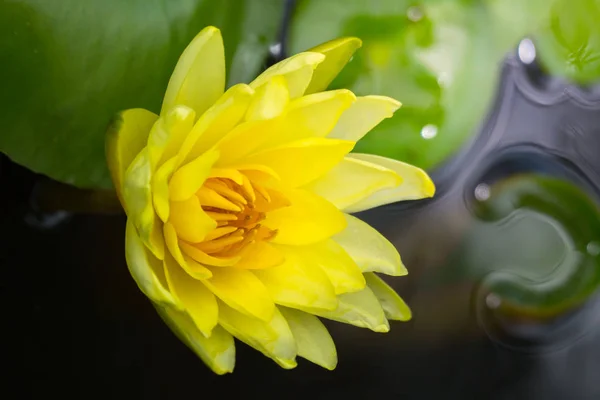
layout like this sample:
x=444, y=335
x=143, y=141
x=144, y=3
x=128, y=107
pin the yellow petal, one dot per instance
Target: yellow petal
x=309, y=219
x=340, y=268
x=317, y=156
x=366, y=178
x=211, y=198
x=219, y=244
x=227, y=173
x=269, y=100
x=217, y=351
x=137, y=197
x=415, y=184
x=190, y=266
x=394, y=307
x=243, y=291
x=260, y=255
x=259, y=173
x=199, y=76
x=168, y=133
x=225, y=191
x=160, y=188
x=190, y=221
x=145, y=269
x=155, y=241
x=217, y=121
x=272, y=337
x=312, y=338
x=360, y=309
x=276, y=199
x=362, y=116
x=298, y=281
x=371, y=251
x=306, y=117
x=245, y=139
x=126, y=136
x=297, y=70
x=205, y=259
x=314, y=115
x=337, y=54
x=190, y=177
x=195, y=298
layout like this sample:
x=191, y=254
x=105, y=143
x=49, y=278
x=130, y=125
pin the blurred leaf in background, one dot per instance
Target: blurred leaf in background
x=570, y=40
x=68, y=66
x=441, y=59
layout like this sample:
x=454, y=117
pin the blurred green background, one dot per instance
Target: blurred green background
x=67, y=66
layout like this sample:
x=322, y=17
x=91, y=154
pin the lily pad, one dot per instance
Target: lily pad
x=68, y=66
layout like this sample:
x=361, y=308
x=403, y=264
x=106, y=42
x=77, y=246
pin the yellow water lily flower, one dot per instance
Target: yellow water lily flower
x=237, y=204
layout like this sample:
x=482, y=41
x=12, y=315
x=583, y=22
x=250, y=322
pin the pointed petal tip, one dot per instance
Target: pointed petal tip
x=222, y=371
x=399, y=268
x=212, y=28
x=286, y=364
x=383, y=328
x=297, y=69
x=224, y=363
x=405, y=318
x=357, y=41
x=346, y=92
x=330, y=367
x=217, y=353
x=208, y=31
x=349, y=43
x=416, y=184
x=428, y=186
x=392, y=104
x=241, y=88
x=200, y=65
x=353, y=40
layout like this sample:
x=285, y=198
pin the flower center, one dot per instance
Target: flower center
x=238, y=209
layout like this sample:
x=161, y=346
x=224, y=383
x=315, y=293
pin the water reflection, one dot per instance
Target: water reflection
x=429, y=131
x=414, y=13
x=275, y=50
x=482, y=192
x=593, y=248
x=526, y=51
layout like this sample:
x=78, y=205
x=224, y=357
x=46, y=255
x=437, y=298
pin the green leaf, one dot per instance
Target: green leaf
x=570, y=42
x=68, y=66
